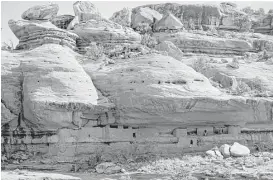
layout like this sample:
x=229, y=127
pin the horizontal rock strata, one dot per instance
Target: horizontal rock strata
x=32, y=34
x=188, y=42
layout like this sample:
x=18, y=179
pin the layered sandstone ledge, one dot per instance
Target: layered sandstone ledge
x=35, y=33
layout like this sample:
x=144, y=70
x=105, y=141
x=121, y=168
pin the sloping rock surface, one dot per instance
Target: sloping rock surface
x=105, y=31
x=171, y=49
x=159, y=89
x=169, y=21
x=145, y=15
x=55, y=88
x=40, y=12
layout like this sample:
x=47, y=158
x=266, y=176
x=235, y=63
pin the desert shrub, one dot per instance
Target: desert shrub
x=263, y=56
x=243, y=22
x=94, y=51
x=256, y=84
x=143, y=28
x=7, y=46
x=201, y=64
x=148, y=41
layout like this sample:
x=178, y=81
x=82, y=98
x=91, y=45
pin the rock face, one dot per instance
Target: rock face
x=198, y=14
x=54, y=96
x=34, y=33
x=230, y=12
x=62, y=21
x=168, y=81
x=122, y=17
x=41, y=12
x=239, y=150
x=168, y=22
x=105, y=31
x=145, y=15
x=171, y=49
x=11, y=92
x=85, y=10
x=188, y=42
x=266, y=25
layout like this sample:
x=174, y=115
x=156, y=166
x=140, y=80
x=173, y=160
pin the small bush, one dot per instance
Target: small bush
x=7, y=46
x=143, y=28
x=94, y=51
x=148, y=41
x=201, y=64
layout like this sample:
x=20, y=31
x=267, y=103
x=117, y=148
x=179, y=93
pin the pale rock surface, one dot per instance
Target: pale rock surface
x=24, y=174
x=224, y=149
x=218, y=153
x=105, y=31
x=108, y=168
x=11, y=79
x=62, y=21
x=230, y=12
x=158, y=84
x=40, y=12
x=169, y=21
x=86, y=10
x=198, y=13
x=35, y=33
x=55, y=87
x=189, y=42
x=256, y=74
x=239, y=150
x=122, y=17
x=171, y=49
x=145, y=15
x=211, y=153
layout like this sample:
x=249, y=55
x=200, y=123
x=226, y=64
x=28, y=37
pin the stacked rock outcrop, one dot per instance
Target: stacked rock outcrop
x=38, y=30
x=41, y=12
x=35, y=33
x=85, y=11
x=94, y=28
x=230, y=12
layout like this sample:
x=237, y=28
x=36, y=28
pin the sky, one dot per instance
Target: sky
x=14, y=9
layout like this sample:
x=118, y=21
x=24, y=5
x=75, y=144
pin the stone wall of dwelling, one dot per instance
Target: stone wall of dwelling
x=257, y=136
x=71, y=142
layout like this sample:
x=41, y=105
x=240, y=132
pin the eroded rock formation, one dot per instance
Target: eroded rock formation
x=35, y=33
x=41, y=12
x=85, y=10
x=63, y=104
